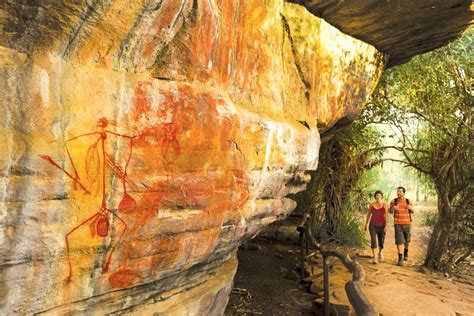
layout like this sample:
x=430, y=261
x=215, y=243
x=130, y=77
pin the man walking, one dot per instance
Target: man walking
x=402, y=208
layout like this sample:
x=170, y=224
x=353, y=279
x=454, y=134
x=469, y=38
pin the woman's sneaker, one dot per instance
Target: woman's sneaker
x=375, y=261
x=380, y=256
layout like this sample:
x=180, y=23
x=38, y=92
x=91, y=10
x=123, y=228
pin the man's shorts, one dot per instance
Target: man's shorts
x=402, y=234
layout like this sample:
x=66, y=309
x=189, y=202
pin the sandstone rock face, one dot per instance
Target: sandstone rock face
x=144, y=141
x=401, y=29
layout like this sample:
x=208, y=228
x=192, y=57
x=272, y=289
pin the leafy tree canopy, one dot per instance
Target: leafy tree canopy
x=430, y=103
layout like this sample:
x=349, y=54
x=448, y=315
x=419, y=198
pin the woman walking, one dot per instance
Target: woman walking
x=377, y=221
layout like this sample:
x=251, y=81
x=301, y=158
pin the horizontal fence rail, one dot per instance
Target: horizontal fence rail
x=353, y=288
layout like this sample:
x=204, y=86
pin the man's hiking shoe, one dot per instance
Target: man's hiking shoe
x=380, y=256
x=375, y=261
x=400, y=260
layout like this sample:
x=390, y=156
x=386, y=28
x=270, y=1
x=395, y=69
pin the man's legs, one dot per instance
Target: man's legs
x=400, y=256
x=407, y=236
x=399, y=241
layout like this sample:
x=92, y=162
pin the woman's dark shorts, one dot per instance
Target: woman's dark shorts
x=402, y=234
x=376, y=232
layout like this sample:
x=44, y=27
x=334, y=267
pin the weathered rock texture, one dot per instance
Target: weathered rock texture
x=143, y=141
x=399, y=28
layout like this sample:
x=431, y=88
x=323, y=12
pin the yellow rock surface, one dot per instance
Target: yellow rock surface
x=144, y=141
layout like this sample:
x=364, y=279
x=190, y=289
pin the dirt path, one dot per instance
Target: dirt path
x=267, y=284
x=408, y=290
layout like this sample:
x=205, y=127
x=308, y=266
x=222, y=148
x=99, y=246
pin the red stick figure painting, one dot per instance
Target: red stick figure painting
x=96, y=163
x=169, y=139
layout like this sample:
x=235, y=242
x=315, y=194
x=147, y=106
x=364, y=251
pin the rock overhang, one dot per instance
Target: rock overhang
x=401, y=29
x=224, y=102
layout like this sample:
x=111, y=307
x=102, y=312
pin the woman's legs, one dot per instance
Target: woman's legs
x=373, y=241
x=381, y=240
x=373, y=252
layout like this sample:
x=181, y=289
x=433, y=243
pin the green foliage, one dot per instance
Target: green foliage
x=427, y=184
x=362, y=193
x=430, y=102
x=430, y=219
x=347, y=229
x=335, y=203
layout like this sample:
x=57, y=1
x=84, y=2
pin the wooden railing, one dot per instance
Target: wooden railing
x=353, y=288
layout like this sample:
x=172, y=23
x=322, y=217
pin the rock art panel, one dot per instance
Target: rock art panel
x=145, y=141
x=171, y=179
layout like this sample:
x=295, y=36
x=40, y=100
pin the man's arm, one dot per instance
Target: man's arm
x=410, y=207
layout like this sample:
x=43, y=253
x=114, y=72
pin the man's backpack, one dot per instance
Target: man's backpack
x=395, y=202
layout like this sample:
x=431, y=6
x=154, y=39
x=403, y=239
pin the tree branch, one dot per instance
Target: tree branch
x=431, y=121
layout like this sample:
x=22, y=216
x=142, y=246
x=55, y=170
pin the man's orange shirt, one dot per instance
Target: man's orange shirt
x=402, y=215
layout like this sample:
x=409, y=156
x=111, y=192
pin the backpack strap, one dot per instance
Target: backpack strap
x=409, y=213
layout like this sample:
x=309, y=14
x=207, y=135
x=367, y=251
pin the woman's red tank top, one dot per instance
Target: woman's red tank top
x=378, y=216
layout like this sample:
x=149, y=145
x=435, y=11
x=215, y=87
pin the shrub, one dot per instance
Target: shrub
x=429, y=219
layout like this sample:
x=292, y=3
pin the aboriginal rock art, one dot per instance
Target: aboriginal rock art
x=97, y=161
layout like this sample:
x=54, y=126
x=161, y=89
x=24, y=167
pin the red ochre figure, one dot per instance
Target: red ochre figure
x=99, y=222
x=169, y=139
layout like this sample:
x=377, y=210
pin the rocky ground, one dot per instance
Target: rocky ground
x=267, y=282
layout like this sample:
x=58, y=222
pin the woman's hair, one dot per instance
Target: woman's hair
x=378, y=192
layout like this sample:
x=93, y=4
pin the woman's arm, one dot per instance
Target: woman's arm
x=391, y=209
x=368, y=216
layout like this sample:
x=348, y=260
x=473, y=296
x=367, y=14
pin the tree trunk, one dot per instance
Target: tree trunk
x=444, y=227
x=417, y=188
x=438, y=242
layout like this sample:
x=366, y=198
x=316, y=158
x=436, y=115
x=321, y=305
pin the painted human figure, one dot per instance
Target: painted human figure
x=99, y=223
x=169, y=139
